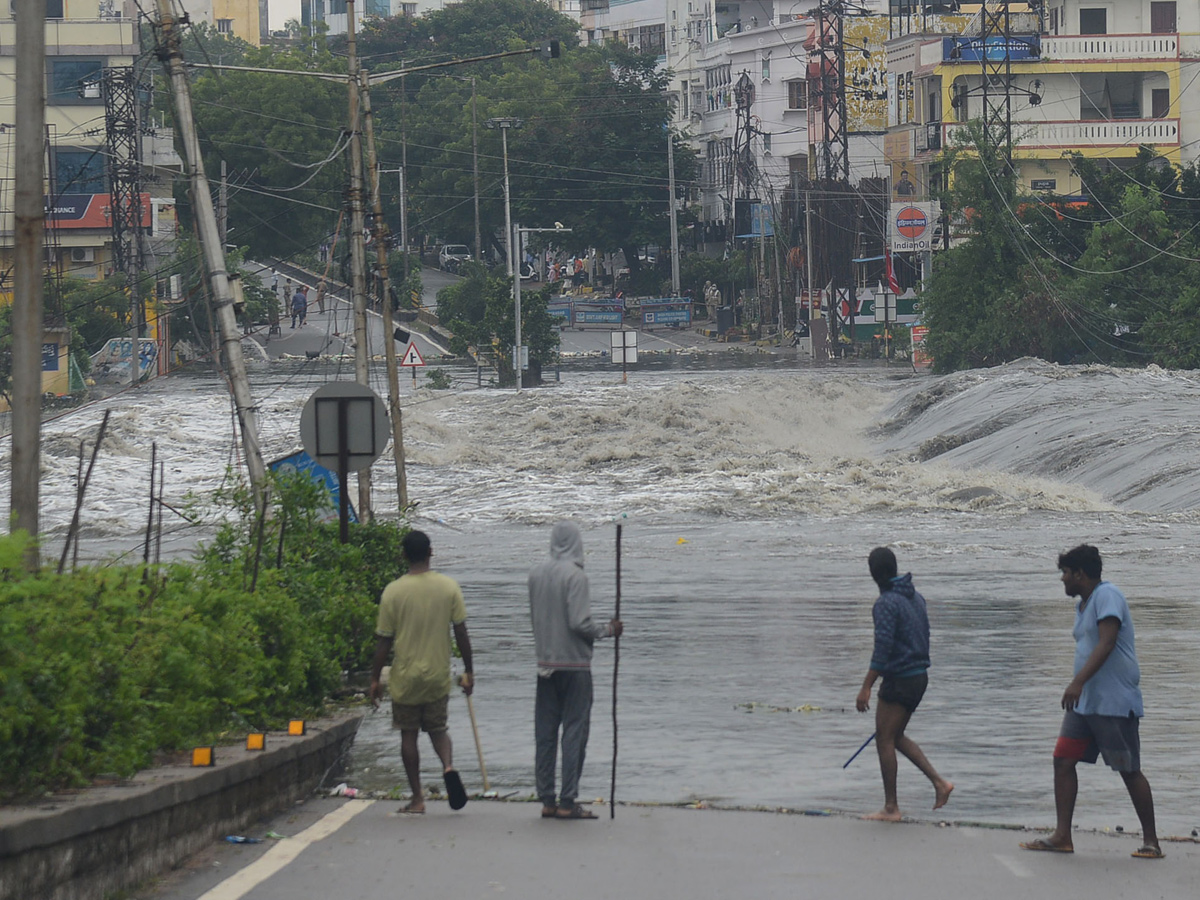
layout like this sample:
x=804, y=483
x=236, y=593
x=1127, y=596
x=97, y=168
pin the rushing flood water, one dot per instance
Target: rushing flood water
x=749, y=499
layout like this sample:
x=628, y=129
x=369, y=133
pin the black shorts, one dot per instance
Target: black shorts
x=906, y=691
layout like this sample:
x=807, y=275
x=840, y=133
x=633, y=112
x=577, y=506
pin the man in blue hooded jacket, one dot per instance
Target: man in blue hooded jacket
x=901, y=657
x=563, y=633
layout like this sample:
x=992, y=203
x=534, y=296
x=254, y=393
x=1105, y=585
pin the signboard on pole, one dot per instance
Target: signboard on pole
x=412, y=356
x=624, y=346
x=911, y=226
x=344, y=427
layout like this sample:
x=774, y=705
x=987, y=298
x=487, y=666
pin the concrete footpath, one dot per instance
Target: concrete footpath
x=365, y=850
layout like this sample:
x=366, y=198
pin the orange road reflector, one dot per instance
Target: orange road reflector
x=256, y=741
x=296, y=727
x=204, y=756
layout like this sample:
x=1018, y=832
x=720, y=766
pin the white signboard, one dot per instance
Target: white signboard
x=412, y=356
x=910, y=226
x=624, y=346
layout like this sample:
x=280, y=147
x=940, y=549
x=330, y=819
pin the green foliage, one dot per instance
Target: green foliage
x=1112, y=280
x=438, y=379
x=102, y=668
x=480, y=312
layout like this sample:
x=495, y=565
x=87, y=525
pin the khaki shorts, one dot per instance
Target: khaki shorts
x=431, y=717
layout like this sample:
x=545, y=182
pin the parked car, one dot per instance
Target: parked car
x=452, y=256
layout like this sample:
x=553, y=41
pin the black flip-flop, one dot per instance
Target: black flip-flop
x=455, y=792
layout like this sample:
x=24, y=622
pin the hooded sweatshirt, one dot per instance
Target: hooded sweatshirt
x=560, y=605
x=901, y=630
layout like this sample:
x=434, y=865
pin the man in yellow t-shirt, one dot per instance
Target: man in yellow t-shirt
x=416, y=614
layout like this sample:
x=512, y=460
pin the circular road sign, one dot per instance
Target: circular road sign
x=911, y=223
x=344, y=413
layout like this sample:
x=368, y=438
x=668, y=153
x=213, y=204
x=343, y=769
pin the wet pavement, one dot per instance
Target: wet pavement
x=366, y=850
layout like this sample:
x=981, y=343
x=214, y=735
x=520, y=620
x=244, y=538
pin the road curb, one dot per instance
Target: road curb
x=86, y=845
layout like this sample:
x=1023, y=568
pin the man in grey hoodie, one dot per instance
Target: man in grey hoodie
x=563, y=633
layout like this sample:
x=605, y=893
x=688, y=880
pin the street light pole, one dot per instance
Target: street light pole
x=518, y=356
x=514, y=266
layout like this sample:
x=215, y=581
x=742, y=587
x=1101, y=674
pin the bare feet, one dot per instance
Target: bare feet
x=885, y=815
x=942, y=793
x=413, y=808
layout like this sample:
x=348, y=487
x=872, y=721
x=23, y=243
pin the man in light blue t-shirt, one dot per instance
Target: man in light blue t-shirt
x=1103, y=702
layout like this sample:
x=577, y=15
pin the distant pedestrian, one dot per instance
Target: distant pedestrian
x=299, y=306
x=321, y=287
x=1103, y=702
x=563, y=634
x=417, y=612
x=901, y=657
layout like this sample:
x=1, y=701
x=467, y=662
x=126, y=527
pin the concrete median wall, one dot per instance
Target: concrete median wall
x=83, y=846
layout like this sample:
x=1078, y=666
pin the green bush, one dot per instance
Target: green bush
x=102, y=668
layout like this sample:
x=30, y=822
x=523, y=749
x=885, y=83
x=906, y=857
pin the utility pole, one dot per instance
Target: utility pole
x=674, y=224
x=223, y=202
x=514, y=265
x=404, y=173
x=358, y=249
x=475, y=171
x=214, y=253
x=389, y=341
x=29, y=219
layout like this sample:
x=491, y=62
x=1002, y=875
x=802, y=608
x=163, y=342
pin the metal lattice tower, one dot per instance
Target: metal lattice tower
x=123, y=135
x=995, y=31
x=834, y=160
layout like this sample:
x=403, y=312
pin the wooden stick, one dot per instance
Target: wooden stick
x=150, y=513
x=612, y=796
x=478, y=746
x=73, y=530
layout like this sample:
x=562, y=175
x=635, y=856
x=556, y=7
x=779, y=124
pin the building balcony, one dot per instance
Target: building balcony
x=1105, y=48
x=1085, y=135
x=78, y=37
x=967, y=50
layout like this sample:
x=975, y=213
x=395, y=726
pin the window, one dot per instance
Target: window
x=225, y=26
x=1162, y=18
x=797, y=95
x=1093, y=21
x=766, y=67
x=79, y=171
x=74, y=81
x=1054, y=21
x=1160, y=103
x=54, y=9
x=684, y=99
x=766, y=141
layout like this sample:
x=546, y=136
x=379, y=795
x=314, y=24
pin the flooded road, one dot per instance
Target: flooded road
x=750, y=498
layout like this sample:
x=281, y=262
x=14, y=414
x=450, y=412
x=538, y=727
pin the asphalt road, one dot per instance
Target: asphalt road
x=365, y=850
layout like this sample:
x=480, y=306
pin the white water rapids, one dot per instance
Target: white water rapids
x=750, y=499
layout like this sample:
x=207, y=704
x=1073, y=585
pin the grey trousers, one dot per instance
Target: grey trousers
x=563, y=700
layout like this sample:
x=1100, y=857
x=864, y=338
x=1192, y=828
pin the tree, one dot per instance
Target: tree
x=282, y=138
x=992, y=298
x=480, y=312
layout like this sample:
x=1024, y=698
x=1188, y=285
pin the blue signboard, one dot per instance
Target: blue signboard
x=971, y=49
x=663, y=301
x=301, y=463
x=50, y=357
x=592, y=317
x=667, y=317
x=560, y=311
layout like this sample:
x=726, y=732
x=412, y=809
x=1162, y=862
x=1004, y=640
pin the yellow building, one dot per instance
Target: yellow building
x=245, y=19
x=83, y=38
x=1100, y=79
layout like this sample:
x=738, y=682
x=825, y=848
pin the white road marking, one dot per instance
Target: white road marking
x=243, y=882
x=1013, y=866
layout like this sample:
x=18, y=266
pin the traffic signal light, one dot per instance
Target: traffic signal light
x=551, y=50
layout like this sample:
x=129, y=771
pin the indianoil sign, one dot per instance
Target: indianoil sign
x=912, y=226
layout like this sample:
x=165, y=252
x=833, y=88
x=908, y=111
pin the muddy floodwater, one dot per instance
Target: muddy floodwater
x=749, y=498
